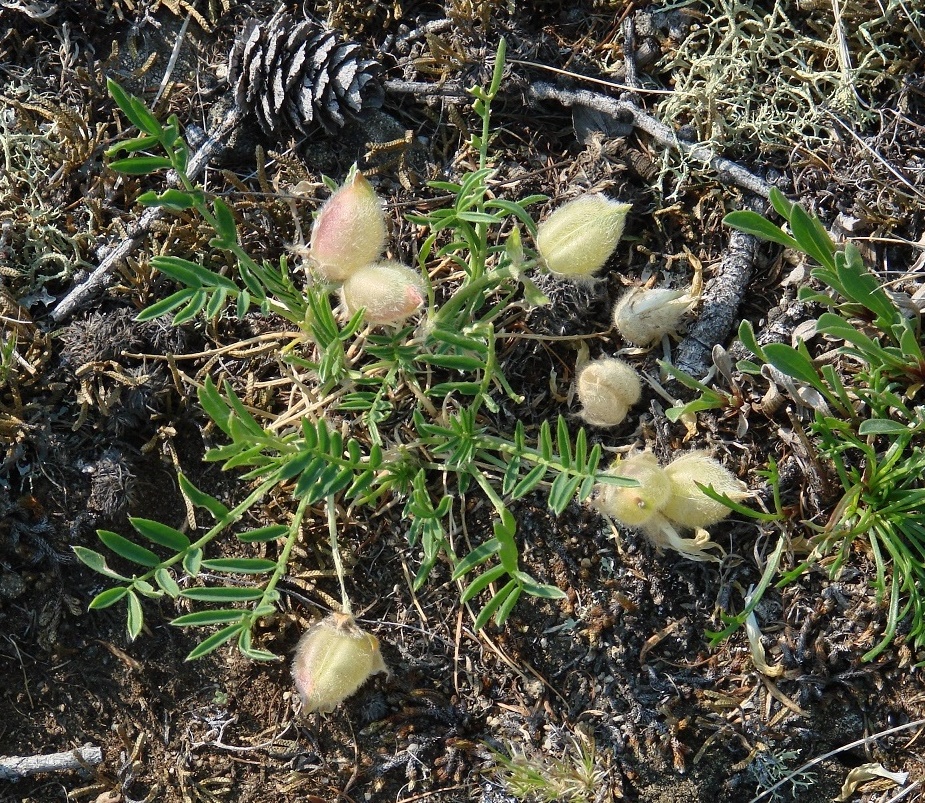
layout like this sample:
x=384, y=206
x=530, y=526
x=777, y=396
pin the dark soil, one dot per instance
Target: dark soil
x=97, y=418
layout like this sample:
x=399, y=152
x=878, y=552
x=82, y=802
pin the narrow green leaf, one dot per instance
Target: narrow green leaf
x=226, y=228
x=131, y=146
x=192, y=562
x=140, y=165
x=174, y=200
x=758, y=226
x=504, y=611
x=127, y=549
x=108, y=597
x=201, y=499
x=96, y=562
x=562, y=492
x=563, y=442
x=476, y=557
x=261, y=534
x=481, y=582
x=212, y=402
x=222, y=594
x=166, y=581
x=529, y=482
x=214, y=641
x=882, y=426
x=493, y=604
x=789, y=361
x=812, y=237
x=161, y=534
x=240, y=565
x=543, y=590
x=135, y=618
x=134, y=109
x=216, y=617
x=192, y=309
x=166, y=305
x=782, y=205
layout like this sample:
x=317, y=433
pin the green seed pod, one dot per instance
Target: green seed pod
x=579, y=237
x=332, y=660
x=389, y=291
x=687, y=505
x=607, y=388
x=634, y=507
x=349, y=231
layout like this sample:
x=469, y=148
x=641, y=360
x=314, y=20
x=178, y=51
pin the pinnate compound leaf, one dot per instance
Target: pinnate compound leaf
x=161, y=534
x=128, y=549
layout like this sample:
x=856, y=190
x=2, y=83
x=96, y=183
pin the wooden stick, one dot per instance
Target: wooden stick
x=12, y=768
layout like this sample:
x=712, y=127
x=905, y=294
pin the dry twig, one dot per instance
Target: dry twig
x=13, y=768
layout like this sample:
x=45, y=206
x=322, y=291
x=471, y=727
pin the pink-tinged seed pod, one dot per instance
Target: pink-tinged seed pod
x=349, y=231
x=332, y=660
x=687, y=505
x=389, y=291
x=607, y=388
x=634, y=507
x=579, y=237
x=643, y=316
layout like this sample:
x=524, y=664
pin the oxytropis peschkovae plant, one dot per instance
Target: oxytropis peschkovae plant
x=866, y=423
x=430, y=379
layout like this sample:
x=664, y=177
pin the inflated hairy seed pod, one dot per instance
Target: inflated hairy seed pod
x=689, y=506
x=643, y=315
x=578, y=238
x=349, y=231
x=332, y=660
x=389, y=291
x=636, y=506
x=607, y=388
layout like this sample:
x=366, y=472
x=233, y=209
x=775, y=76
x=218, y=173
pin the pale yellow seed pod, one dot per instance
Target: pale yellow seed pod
x=634, y=507
x=607, y=388
x=690, y=507
x=389, y=291
x=332, y=660
x=349, y=231
x=578, y=238
x=643, y=316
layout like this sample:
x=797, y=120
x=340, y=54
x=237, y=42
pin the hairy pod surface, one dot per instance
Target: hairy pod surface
x=689, y=506
x=389, y=291
x=578, y=238
x=332, y=660
x=607, y=388
x=349, y=231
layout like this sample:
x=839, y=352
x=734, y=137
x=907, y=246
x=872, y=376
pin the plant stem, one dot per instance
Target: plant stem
x=335, y=553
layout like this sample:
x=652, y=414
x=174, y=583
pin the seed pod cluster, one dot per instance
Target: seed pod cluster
x=667, y=499
x=347, y=241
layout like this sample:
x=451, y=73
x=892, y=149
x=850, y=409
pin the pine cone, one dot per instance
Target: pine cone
x=292, y=74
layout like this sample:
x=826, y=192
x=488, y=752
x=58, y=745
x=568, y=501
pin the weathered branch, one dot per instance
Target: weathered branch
x=111, y=257
x=727, y=171
x=12, y=768
x=720, y=301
